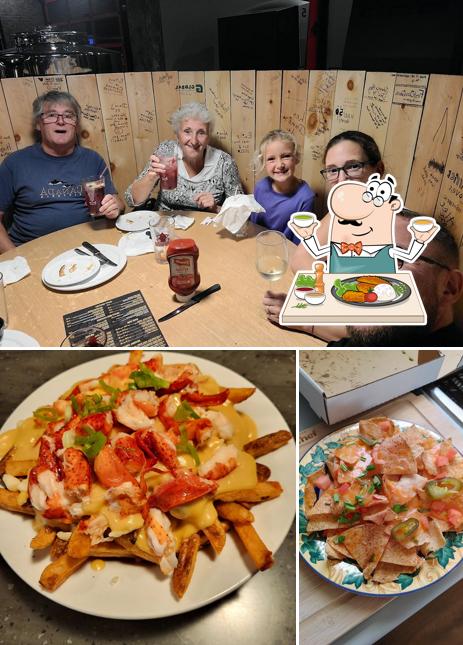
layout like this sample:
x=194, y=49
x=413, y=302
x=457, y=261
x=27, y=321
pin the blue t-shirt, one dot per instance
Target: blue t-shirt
x=279, y=208
x=45, y=192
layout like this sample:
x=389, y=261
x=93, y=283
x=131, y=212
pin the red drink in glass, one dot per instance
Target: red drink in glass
x=169, y=180
x=94, y=191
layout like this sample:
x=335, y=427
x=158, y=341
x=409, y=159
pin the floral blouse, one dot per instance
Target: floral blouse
x=219, y=176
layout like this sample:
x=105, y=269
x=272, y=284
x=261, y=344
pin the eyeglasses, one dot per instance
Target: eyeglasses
x=52, y=117
x=423, y=258
x=352, y=169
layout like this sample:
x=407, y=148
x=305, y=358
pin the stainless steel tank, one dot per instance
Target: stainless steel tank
x=47, y=51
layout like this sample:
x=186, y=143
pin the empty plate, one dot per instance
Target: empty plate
x=61, y=272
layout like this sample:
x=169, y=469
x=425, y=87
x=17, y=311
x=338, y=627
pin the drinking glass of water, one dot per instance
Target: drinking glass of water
x=272, y=255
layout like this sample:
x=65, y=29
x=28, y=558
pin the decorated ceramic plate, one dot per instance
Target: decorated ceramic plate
x=346, y=573
x=377, y=293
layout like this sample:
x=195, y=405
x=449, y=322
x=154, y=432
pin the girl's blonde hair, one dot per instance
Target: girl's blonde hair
x=274, y=135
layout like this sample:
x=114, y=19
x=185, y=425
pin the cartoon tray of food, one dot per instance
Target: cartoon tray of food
x=381, y=299
x=143, y=463
x=381, y=507
x=370, y=291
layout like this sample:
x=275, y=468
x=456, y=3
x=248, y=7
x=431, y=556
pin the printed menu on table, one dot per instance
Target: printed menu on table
x=127, y=320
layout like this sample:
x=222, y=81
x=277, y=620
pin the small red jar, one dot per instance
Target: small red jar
x=182, y=256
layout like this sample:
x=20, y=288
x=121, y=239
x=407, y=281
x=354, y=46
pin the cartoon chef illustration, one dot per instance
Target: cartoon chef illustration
x=361, y=236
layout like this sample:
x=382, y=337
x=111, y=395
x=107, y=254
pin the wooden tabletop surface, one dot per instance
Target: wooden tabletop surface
x=232, y=317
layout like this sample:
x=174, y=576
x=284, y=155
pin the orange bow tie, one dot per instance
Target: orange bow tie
x=357, y=247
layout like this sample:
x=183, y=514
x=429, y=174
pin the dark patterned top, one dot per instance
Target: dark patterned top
x=219, y=176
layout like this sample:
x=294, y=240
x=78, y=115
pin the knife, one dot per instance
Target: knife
x=190, y=303
x=98, y=254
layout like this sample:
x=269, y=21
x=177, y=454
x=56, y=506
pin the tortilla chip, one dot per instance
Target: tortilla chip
x=321, y=522
x=323, y=506
x=455, y=469
x=340, y=549
x=396, y=554
x=385, y=572
x=310, y=497
x=395, y=457
x=370, y=428
x=366, y=544
x=417, y=439
x=436, y=538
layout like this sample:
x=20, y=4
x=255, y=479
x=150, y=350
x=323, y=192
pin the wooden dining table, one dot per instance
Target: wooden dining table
x=231, y=317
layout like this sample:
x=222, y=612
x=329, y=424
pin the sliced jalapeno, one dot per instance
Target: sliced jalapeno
x=439, y=488
x=403, y=530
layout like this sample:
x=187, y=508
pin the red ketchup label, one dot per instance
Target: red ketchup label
x=182, y=256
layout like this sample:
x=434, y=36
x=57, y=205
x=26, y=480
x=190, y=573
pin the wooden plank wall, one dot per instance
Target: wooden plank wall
x=416, y=119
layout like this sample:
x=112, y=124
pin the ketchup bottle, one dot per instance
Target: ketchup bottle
x=182, y=256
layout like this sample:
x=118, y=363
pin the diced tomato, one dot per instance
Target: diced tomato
x=455, y=517
x=438, y=506
x=441, y=460
x=322, y=482
x=451, y=454
x=344, y=488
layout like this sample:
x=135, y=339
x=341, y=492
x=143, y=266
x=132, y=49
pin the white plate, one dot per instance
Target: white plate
x=63, y=273
x=13, y=338
x=129, y=591
x=105, y=273
x=136, y=221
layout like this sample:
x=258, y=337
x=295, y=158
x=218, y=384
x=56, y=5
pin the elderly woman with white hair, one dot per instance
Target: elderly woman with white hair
x=206, y=175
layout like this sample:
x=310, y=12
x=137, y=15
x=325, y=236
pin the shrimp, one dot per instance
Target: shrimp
x=161, y=539
x=137, y=409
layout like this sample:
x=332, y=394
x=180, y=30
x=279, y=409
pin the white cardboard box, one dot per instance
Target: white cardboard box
x=341, y=383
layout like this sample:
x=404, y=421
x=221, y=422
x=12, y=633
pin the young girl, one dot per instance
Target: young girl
x=280, y=193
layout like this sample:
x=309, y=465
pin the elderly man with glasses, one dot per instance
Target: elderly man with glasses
x=41, y=185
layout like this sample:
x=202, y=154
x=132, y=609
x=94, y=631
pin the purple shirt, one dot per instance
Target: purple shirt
x=279, y=208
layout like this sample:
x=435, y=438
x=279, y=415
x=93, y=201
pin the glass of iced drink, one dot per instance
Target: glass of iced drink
x=94, y=191
x=169, y=180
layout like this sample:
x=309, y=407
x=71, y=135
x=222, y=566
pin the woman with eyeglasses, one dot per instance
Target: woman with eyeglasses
x=41, y=185
x=348, y=155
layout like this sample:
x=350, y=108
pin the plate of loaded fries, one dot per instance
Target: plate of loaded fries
x=140, y=486
x=381, y=507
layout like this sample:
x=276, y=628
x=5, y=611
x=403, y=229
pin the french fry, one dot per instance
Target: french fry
x=267, y=443
x=79, y=544
x=58, y=548
x=263, y=472
x=44, y=538
x=19, y=468
x=58, y=571
x=9, y=501
x=216, y=535
x=128, y=545
x=260, y=555
x=238, y=394
x=235, y=513
x=262, y=492
x=186, y=563
x=109, y=550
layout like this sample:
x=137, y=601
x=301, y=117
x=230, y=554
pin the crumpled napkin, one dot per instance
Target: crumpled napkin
x=183, y=222
x=236, y=210
x=14, y=270
x=136, y=243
